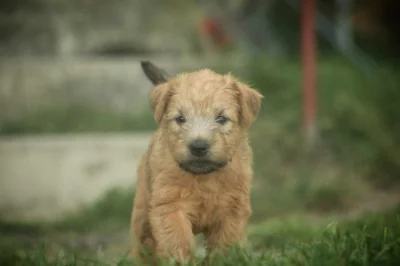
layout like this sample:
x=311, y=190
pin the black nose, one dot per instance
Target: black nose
x=199, y=147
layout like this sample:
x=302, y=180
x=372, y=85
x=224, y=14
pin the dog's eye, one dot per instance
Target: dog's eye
x=180, y=119
x=221, y=120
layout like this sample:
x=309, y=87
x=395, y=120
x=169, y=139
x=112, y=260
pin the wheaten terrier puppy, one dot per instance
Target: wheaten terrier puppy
x=196, y=174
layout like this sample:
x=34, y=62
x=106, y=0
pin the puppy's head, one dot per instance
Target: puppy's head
x=204, y=116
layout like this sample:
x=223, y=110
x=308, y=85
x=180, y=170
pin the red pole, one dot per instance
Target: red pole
x=308, y=62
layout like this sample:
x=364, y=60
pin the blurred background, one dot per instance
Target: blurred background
x=75, y=118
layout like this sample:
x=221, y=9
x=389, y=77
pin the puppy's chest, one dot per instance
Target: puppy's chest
x=208, y=205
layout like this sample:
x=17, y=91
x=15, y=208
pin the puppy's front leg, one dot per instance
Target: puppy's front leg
x=172, y=231
x=229, y=230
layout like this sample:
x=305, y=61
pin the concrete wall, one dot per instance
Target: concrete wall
x=116, y=85
x=43, y=177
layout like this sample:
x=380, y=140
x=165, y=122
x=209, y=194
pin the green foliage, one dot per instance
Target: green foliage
x=76, y=118
x=356, y=114
x=374, y=240
x=111, y=211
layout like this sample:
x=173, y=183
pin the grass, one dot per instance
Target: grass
x=372, y=240
x=110, y=212
x=76, y=118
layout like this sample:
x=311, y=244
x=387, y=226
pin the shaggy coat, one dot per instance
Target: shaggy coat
x=196, y=174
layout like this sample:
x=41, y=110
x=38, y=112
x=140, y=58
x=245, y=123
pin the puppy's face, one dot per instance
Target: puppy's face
x=204, y=117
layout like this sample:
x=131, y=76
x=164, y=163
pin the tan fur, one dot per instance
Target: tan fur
x=172, y=205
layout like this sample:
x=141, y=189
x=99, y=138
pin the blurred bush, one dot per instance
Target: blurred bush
x=357, y=115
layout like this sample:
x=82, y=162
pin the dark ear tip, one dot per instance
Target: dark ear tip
x=144, y=63
x=153, y=73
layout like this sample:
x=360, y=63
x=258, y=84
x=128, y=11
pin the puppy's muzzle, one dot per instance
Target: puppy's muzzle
x=199, y=161
x=199, y=147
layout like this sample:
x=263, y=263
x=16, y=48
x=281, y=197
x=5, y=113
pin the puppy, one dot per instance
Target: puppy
x=196, y=174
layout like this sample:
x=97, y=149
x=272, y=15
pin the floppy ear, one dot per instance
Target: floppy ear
x=155, y=74
x=159, y=94
x=159, y=98
x=249, y=102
